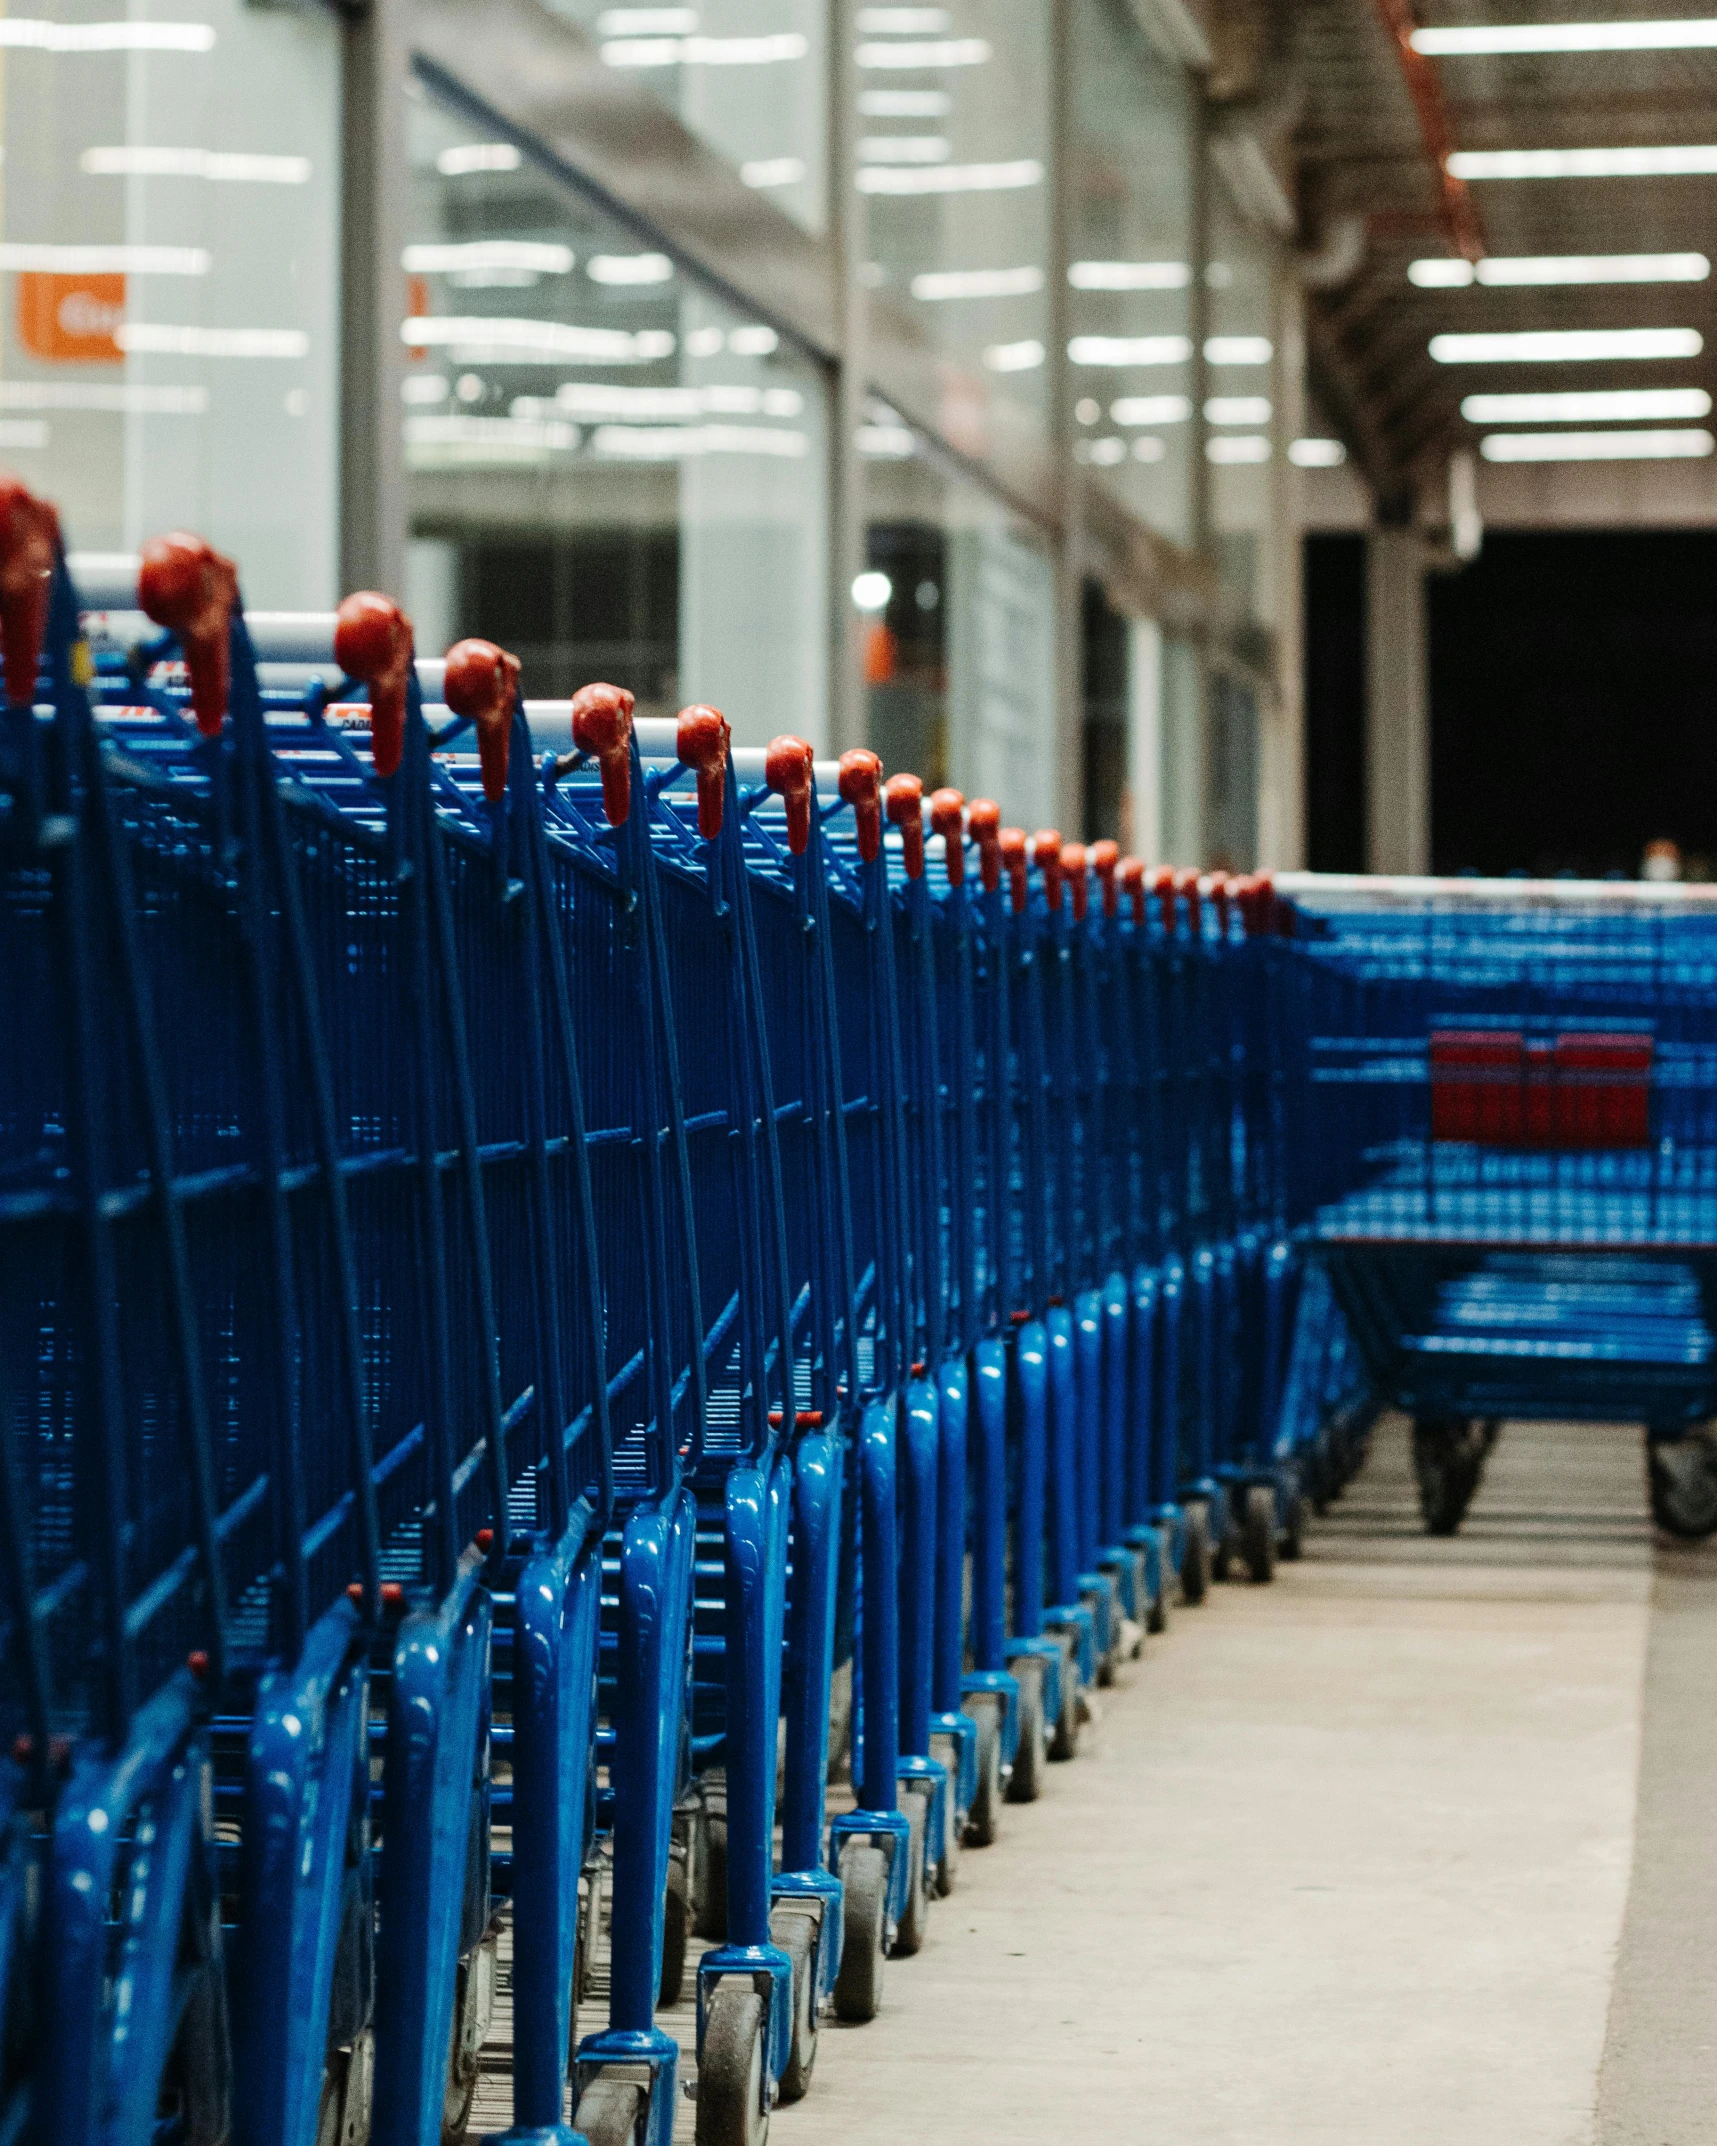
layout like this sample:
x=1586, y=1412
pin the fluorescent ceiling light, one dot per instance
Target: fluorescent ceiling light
x=904, y=103
x=33, y=35
x=1596, y=446
x=1533, y=270
x=647, y=22
x=107, y=260
x=535, y=342
x=753, y=340
x=1316, y=454
x=886, y=443
x=135, y=400
x=762, y=172
x=938, y=52
x=479, y=256
x=466, y=157
x=1238, y=410
x=1129, y=350
x=1567, y=37
x=1238, y=350
x=1021, y=357
x=145, y=339
x=904, y=149
x=516, y=433
x=664, y=443
x=1592, y=407
x=940, y=283
x=765, y=51
x=592, y=399
x=1128, y=275
x=872, y=590
x=1556, y=346
x=1241, y=447
x=1151, y=410
x=23, y=432
x=950, y=178
x=1659, y=161
x=629, y=268
x=1104, y=452
x=1148, y=448
x=236, y=164
x=901, y=21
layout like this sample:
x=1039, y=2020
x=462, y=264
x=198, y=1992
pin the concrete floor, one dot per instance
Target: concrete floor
x=1379, y=1854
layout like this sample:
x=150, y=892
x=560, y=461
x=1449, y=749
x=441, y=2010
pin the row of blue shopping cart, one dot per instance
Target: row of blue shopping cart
x=598, y=1333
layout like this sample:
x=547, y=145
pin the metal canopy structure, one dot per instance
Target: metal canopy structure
x=1367, y=150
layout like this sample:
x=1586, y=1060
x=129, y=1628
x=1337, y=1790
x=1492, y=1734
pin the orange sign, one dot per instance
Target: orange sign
x=71, y=320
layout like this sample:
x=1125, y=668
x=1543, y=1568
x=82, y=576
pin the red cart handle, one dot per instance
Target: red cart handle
x=1105, y=857
x=602, y=727
x=1222, y=885
x=482, y=684
x=372, y=641
x=1162, y=886
x=948, y=819
x=903, y=796
x=1186, y=883
x=29, y=542
x=1073, y=869
x=184, y=584
x=1131, y=875
x=861, y=787
x=1011, y=846
x=1046, y=855
x=984, y=825
x=790, y=768
x=701, y=741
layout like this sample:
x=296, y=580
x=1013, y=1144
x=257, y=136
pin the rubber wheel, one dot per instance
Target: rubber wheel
x=1447, y=1459
x=864, y=1885
x=610, y=2112
x=1025, y=1782
x=473, y=2003
x=947, y=1749
x=909, y=1931
x=985, y=1814
x=348, y=2080
x=796, y=1934
x=1064, y=1742
x=1157, y=1609
x=733, y=2103
x=1195, y=1558
x=676, y=1928
x=1683, y=1474
x=1293, y=1542
x=1258, y=1534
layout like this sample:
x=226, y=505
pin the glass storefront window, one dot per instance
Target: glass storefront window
x=959, y=609
x=169, y=355
x=748, y=77
x=1240, y=402
x=609, y=469
x=953, y=157
x=1130, y=298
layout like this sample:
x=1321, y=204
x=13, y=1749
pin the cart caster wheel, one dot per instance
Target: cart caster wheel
x=676, y=1927
x=733, y=2086
x=473, y=2005
x=1446, y=1461
x=1683, y=1473
x=1157, y=1609
x=1258, y=1534
x=796, y=1935
x=983, y=1817
x=864, y=1886
x=947, y=1749
x=1293, y=1540
x=909, y=1931
x=1025, y=1783
x=1195, y=1561
x=1064, y=1740
x=610, y=2112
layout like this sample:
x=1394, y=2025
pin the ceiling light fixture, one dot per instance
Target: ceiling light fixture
x=949, y=178
x=1587, y=407
x=1688, y=446
x=1534, y=270
x=1128, y=275
x=1558, y=346
x=1660, y=36
x=1660, y=160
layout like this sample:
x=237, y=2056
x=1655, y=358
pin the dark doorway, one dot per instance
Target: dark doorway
x=1335, y=703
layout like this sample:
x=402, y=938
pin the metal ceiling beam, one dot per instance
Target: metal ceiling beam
x=1425, y=87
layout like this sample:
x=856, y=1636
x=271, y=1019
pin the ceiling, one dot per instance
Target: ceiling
x=1360, y=146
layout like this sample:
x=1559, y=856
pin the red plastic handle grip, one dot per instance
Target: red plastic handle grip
x=1261, y=907
x=602, y=727
x=184, y=584
x=984, y=825
x=1162, y=886
x=701, y=741
x=789, y=768
x=948, y=819
x=1074, y=871
x=483, y=684
x=372, y=641
x=903, y=798
x=1010, y=845
x=1046, y=855
x=29, y=541
x=1186, y=884
x=1105, y=858
x=1131, y=875
x=861, y=787
x=1221, y=887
